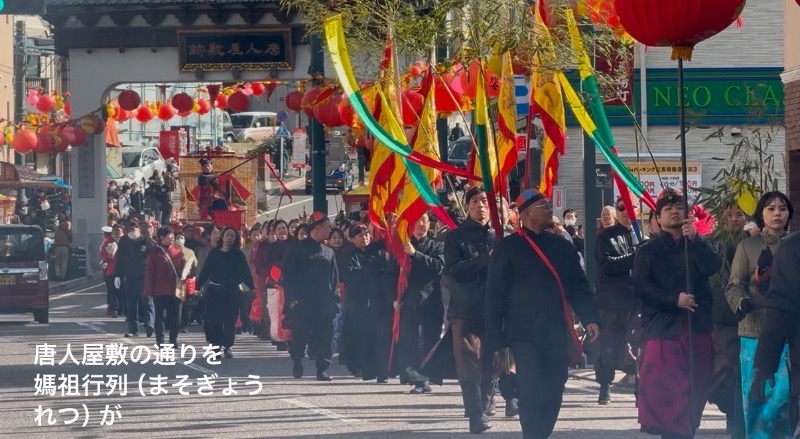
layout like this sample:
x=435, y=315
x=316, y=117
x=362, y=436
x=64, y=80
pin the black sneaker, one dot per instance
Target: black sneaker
x=479, y=424
x=512, y=407
x=605, y=395
x=149, y=331
x=418, y=389
x=228, y=353
x=383, y=380
x=323, y=376
x=131, y=335
x=297, y=369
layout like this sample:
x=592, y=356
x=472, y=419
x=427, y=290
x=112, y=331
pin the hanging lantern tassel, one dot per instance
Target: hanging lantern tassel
x=682, y=52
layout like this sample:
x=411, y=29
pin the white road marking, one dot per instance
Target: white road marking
x=36, y=325
x=100, y=307
x=61, y=296
x=63, y=307
x=320, y=411
x=284, y=206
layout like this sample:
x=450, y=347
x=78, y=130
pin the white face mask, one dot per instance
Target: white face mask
x=570, y=221
x=179, y=242
x=134, y=234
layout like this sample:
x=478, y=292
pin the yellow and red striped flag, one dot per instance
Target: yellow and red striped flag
x=506, y=124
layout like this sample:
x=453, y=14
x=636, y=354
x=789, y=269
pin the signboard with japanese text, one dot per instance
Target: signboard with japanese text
x=86, y=175
x=299, y=148
x=670, y=173
x=169, y=145
x=250, y=49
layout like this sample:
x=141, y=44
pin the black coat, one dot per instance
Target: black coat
x=310, y=277
x=383, y=276
x=131, y=257
x=659, y=275
x=614, y=253
x=780, y=324
x=356, y=277
x=466, y=269
x=426, y=268
x=523, y=301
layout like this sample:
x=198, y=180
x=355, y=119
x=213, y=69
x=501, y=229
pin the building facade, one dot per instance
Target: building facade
x=791, y=80
x=733, y=92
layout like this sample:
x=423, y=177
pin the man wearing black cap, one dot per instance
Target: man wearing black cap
x=466, y=266
x=310, y=282
x=614, y=253
x=535, y=280
x=659, y=273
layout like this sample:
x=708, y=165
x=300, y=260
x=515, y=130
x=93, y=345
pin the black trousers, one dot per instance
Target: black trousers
x=612, y=346
x=139, y=308
x=222, y=309
x=355, y=334
x=316, y=333
x=167, y=314
x=408, y=349
x=379, y=343
x=541, y=377
x=114, y=297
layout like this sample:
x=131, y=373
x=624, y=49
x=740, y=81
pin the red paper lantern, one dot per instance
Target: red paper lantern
x=123, y=115
x=183, y=102
x=46, y=104
x=466, y=81
x=347, y=113
x=327, y=112
x=81, y=137
x=44, y=143
x=412, y=107
x=294, y=101
x=129, y=100
x=203, y=106
x=221, y=102
x=447, y=100
x=69, y=134
x=144, y=114
x=166, y=112
x=310, y=101
x=62, y=144
x=679, y=24
x=238, y=102
x=24, y=141
x=185, y=114
x=602, y=12
x=258, y=88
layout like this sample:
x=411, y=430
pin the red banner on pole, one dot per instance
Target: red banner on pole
x=169, y=144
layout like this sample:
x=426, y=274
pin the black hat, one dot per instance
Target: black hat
x=204, y=162
x=527, y=198
x=668, y=196
x=316, y=219
x=357, y=230
x=473, y=191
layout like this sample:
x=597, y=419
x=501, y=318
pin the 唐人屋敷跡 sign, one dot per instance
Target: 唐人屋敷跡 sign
x=250, y=49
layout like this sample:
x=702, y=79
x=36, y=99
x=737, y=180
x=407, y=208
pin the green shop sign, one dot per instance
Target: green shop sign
x=711, y=96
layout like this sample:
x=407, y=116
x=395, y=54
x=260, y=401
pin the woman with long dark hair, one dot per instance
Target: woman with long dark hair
x=746, y=293
x=226, y=269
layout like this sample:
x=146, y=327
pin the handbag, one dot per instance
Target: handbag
x=576, y=347
x=179, y=292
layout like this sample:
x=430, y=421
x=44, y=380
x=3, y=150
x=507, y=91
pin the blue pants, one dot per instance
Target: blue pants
x=769, y=419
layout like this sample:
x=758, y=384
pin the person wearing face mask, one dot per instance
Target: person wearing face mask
x=574, y=230
x=187, y=280
x=162, y=276
x=746, y=293
x=614, y=253
x=130, y=271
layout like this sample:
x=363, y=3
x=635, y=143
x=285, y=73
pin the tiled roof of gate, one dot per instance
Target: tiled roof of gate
x=149, y=2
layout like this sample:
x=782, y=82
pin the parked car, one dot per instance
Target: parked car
x=140, y=163
x=253, y=126
x=23, y=272
x=113, y=175
x=458, y=155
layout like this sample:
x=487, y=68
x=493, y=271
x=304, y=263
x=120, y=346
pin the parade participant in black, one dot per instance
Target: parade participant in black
x=420, y=309
x=660, y=277
x=310, y=281
x=129, y=272
x=466, y=265
x=356, y=277
x=225, y=270
x=383, y=273
x=534, y=279
x=616, y=300
x=780, y=327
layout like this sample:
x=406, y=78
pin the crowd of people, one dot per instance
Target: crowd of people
x=508, y=314
x=155, y=201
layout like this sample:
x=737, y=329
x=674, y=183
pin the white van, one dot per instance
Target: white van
x=253, y=126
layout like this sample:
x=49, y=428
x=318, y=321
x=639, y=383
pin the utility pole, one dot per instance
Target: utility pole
x=20, y=66
x=316, y=70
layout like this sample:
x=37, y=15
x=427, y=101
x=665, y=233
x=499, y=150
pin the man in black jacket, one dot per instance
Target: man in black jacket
x=420, y=308
x=616, y=300
x=667, y=305
x=310, y=282
x=780, y=326
x=356, y=278
x=466, y=267
x=526, y=309
x=129, y=272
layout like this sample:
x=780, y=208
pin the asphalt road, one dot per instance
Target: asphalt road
x=300, y=202
x=284, y=407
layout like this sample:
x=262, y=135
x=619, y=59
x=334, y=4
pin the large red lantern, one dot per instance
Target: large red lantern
x=258, y=88
x=412, y=106
x=203, y=106
x=44, y=143
x=679, y=24
x=129, y=100
x=24, y=141
x=122, y=115
x=46, y=104
x=238, y=102
x=327, y=112
x=166, y=112
x=183, y=102
x=447, y=100
x=144, y=114
x=310, y=101
x=221, y=102
x=347, y=113
x=294, y=100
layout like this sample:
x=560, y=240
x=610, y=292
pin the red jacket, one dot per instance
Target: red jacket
x=109, y=261
x=159, y=277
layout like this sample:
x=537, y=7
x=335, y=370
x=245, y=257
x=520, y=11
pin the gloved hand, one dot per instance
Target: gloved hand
x=117, y=282
x=764, y=260
x=745, y=307
x=758, y=388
